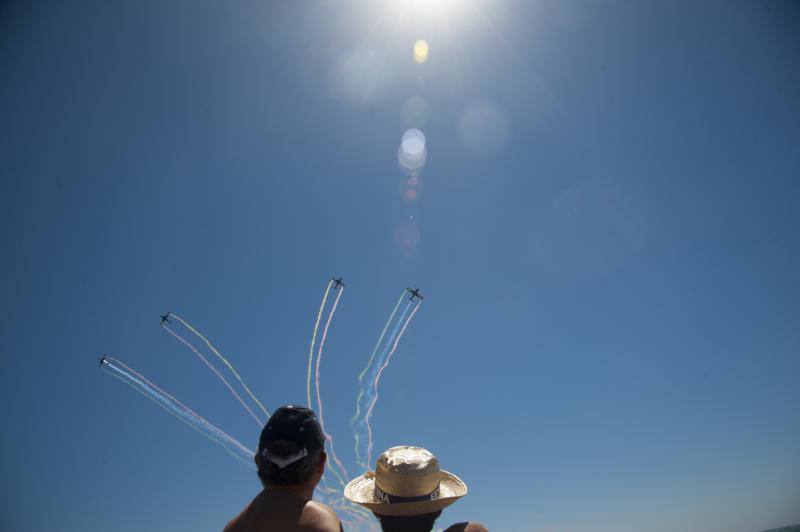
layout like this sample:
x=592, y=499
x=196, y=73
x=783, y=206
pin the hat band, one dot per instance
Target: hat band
x=388, y=498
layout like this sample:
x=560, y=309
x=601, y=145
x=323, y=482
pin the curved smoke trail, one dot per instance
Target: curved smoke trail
x=361, y=433
x=319, y=395
x=314, y=339
x=224, y=360
x=361, y=387
x=378, y=378
x=333, y=498
x=216, y=372
x=372, y=356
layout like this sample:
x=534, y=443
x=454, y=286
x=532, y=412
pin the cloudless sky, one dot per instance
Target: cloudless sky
x=606, y=233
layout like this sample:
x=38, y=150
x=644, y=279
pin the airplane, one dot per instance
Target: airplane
x=415, y=293
x=102, y=360
x=164, y=318
x=338, y=282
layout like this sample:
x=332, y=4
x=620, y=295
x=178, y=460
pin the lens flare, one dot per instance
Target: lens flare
x=412, y=153
x=411, y=164
x=413, y=143
x=407, y=235
x=421, y=51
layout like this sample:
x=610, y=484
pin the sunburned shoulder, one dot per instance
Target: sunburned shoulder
x=467, y=527
x=318, y=517
x=237, y=524
x=279, y=511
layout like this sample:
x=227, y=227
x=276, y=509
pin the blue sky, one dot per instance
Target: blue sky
x=606, y=233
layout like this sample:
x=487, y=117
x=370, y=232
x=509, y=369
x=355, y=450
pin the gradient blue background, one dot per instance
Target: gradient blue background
x=610, y=338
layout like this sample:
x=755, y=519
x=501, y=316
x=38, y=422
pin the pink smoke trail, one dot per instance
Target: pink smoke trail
x=152, y=385
x=333, y=498
x=168, y=395
x=217, y=373
x=314, y=339
x=223, y=359
x=378, y=378
x=319, y=395
x=171, y=405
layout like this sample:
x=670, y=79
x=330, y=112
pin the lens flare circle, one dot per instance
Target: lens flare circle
x=421, y=49
x=413, y=143
x=412, y=153
x=411, y=163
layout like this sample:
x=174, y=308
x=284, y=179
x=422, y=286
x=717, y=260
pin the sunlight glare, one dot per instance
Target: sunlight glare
x=429, y=5
x=421, y=51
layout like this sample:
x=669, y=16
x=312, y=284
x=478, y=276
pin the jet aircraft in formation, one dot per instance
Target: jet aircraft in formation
x=165, y=318
x=338, y=282
x=415, y=294
x=102, y=360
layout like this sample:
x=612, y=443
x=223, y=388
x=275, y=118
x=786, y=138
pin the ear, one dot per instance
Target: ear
x=323, y=458
x=257, y=459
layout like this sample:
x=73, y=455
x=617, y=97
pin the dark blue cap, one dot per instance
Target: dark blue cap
x=295, y=424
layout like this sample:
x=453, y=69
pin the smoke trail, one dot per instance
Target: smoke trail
x=314, y=339
x=369, y=392
x=333, y=498
x=224, y=360
x=324, y=493
x=378, y=378
x=366, y=368
x=319, y=395
x=359, y=513
x=346, y=507
x=374, y=351
x=171, y=405
x=142, y=378
x=217, y=373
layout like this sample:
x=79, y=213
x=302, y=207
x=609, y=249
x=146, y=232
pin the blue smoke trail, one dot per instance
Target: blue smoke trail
x=361, y=385
x=176, y=408
x=179, y=410
x=371, y=406
x=361, y=429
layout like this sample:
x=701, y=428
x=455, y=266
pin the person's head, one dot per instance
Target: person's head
x=291, y=448
x=407, y=491
x=408, y=523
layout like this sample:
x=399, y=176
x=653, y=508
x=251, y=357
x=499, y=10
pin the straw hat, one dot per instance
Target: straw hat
x=406, y=481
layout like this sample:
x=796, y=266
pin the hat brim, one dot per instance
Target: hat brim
x=361, y=490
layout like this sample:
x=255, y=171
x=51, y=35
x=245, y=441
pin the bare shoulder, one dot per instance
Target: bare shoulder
x=237, y=523
x=319, y=517
x=467, y=527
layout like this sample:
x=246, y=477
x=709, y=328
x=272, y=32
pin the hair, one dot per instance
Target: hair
x=296, y=473
x=408, y=523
